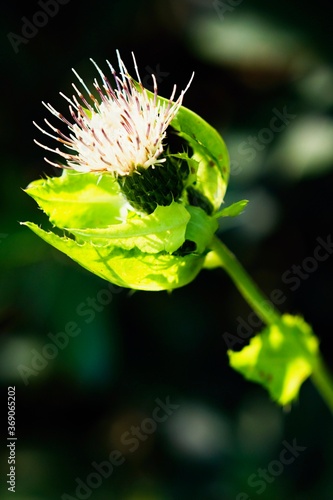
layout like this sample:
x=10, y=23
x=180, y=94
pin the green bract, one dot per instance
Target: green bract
x=162, y=250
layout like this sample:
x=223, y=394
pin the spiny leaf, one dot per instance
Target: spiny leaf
x=78, y=200
x=127, y=268
x=163, y=230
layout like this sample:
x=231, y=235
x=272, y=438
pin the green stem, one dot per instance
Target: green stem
x=261, y=305
x=323, y=381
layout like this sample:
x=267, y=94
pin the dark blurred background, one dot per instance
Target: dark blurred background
x=251, y=61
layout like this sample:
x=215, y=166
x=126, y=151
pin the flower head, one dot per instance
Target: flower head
x=149, y=224
x=122, y=130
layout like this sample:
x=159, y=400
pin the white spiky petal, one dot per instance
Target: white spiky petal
x=124, y=129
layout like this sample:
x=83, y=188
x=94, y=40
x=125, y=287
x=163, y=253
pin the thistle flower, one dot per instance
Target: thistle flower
x=126, y=129
x=133, y=212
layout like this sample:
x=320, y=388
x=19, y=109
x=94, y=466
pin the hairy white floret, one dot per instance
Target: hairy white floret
x=123, y=129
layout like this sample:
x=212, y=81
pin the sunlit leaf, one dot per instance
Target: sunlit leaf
x=128, y=268
x=163, y=230
x=78, y=200
x=233, y=210
x=280, y=358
